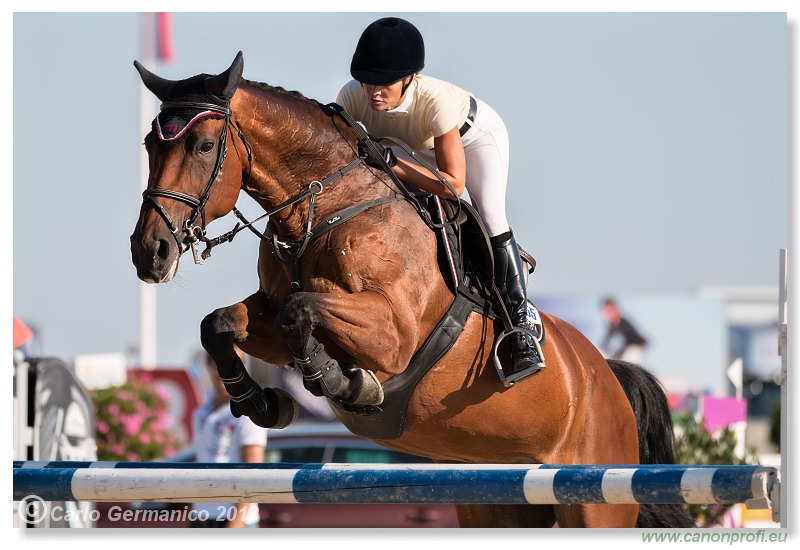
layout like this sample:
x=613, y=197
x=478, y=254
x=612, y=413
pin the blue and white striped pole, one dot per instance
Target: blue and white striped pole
x=396, y=483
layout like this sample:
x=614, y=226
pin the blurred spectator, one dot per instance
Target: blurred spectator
x=622, y=340
x=311, y=406
x=221, y=437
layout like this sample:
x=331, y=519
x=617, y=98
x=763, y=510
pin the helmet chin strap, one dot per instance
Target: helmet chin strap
x=406, y=85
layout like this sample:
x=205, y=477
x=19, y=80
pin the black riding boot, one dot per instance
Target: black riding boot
x=509, y=274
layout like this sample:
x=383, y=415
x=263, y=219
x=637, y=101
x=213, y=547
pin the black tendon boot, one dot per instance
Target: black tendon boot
x=509, y=274
x=323, y=376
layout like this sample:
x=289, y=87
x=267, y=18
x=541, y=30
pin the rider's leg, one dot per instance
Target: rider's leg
x=510, y=280
x=486, y=150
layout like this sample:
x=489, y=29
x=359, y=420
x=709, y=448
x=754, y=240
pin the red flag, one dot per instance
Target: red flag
x=164, y=46
x=21, y=333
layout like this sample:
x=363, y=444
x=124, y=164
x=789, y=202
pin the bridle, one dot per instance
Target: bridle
x=190, y=233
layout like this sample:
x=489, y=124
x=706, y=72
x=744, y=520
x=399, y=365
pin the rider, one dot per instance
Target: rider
x=464, y=137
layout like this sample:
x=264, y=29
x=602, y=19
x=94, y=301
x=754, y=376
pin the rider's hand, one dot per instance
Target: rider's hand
x=386, y=155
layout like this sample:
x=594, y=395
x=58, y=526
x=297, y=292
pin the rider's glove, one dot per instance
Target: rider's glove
x=386, y=155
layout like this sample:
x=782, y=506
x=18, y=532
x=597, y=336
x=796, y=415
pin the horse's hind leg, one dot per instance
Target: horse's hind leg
x=248, y=325
x=505, y=515
x=597, y=515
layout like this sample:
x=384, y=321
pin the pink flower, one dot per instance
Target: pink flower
x=131, y=424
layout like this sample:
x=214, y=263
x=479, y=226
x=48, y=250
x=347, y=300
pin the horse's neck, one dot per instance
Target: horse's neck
x=294, y=144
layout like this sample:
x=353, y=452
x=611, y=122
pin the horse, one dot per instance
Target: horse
x=350, y=289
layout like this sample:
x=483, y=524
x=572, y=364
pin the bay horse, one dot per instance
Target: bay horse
x=353, y=304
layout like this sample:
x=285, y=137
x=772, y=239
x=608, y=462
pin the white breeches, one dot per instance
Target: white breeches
x=486, y=150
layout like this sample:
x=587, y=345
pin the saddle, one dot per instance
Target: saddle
x=466, y=253
x=466, y=259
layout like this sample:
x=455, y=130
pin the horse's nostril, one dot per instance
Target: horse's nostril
x=163, y=249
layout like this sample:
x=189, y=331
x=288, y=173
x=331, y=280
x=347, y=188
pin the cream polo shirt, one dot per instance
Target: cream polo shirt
x=432, y=108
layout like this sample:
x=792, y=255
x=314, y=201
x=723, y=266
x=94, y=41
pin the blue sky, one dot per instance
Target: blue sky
x=648, y=151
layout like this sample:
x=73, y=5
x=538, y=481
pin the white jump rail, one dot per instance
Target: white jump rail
x=757, y=486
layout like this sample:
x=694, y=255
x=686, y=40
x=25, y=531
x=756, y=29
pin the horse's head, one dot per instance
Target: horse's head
x=190, y=184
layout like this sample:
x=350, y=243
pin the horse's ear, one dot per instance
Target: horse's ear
x=224, y=85
x=161, y=87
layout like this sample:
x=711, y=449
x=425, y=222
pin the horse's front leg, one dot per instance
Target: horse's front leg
x=349, y=321
x=249, y=325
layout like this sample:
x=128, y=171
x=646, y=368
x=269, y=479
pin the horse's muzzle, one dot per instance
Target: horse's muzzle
x=155, y=257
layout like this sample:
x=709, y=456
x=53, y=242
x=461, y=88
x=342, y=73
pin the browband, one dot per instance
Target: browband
x=195, y=105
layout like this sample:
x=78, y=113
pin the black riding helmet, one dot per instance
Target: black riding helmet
x=389, y=50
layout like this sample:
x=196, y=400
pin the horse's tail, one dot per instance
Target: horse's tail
x=656, y=437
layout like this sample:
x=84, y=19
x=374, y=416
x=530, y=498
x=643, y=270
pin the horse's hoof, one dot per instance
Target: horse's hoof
x=282, y=409
x=363, y=387
x=274, y=408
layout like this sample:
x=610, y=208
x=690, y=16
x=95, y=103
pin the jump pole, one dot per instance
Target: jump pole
x=397, y=483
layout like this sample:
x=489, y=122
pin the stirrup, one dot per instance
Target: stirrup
x=512, y=379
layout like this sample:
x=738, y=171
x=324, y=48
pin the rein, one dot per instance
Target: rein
x=372, y=145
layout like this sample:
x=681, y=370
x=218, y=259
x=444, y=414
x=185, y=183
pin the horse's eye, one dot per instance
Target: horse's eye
x=206, y=147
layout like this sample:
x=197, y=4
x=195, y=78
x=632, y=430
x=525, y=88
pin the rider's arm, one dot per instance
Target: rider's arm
x=450, y=160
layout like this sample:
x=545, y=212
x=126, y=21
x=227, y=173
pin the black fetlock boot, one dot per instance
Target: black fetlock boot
x=266, y=407
x=509, y=273
x=323, y=376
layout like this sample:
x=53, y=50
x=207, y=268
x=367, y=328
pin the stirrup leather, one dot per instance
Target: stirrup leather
x=510, y=380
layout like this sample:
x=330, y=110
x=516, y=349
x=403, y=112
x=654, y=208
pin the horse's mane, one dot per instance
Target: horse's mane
x=312, y=106
x=284, y=91
x=260, y=85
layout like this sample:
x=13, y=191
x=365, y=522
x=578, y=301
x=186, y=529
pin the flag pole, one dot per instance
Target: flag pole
x=147, y=295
